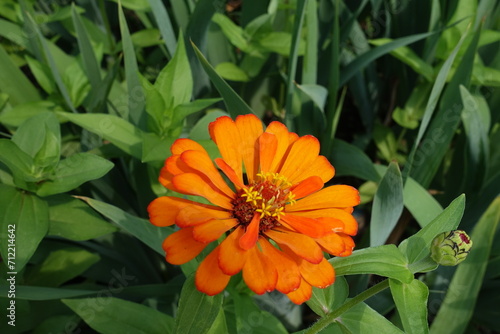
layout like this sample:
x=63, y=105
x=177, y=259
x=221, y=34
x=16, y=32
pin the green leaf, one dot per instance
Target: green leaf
x=118, y=131
x=136, y=97
x=175, y=82
x=74, y=171
x=411, y=303
x=155, y=148
x=324, y=301
x=417, y=247
x=61, y=266
x=420, y=202
x=232, y=72
x=19, y=162
x=184, y=110
x=318, y=94
x=387, y=206
x=234, y=104
x=42, y=74
x=384, y=260
x=363, y=319
x=386, y=142
x=235, y=34
x=62, y=212
x=163, y=22
x=197, y=311
x=350, y=160
x=457, y=307
x=280, y=42
x=26, y=219
x=143, y=230
x=112, y=315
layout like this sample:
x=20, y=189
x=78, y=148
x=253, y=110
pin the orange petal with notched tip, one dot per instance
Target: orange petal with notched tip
x=251, y=235
x=201, y=162
x=281, y=132
x=180, y=247
x=185, y=144
x=250, y=128
x=259, y=272
x=307, y=187
x=350, y=223
x=319, y=167
x=268, y=145
x=319, y=275
x=230, y=173
x=163, y=210
x=288, y=270
x=209, y=278
x=302, y=153
x=302, y=245
x=213, y=229
x=336, y=196
x=302, y=294
x=338, y=244
x=198, y=214
x=315, y=228
x=227, y=137
x=232, y=257
x=193, y=184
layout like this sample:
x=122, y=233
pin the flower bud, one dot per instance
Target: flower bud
x=450, y=248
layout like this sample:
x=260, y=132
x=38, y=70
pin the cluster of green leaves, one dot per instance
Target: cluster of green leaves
x=93, y=94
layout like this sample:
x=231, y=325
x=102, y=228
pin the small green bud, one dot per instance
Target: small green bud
x=450, y=248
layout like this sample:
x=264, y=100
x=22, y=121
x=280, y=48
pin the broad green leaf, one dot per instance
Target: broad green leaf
x=384, y=260
x=184, y=110
x=136, y=97
x=175, y=82
x=417, y=247
x=232, y=72
x=74, y=171
x=143, y=230
x=72, y=219
x=118, y=131
x=386, y=142
x=387, y=206
x=457, y=308
x=363, y=319
x=411, y=303
x=155, y=148
x=197, y=311
x=350, y=160
x=146, y=38
x=61, y=266
x=112, y=315
x=324, y=301
x=414, y=108
x=26, y=219
x=138, y=5
x=219, y=325
x=14, y=82
x=163, y=22
x=280, y=42
x=235, y=104
x=235, y=34
x=200, y=131
x=318, y=94
x=420, y=202
x=42, y=74
x=18, y=161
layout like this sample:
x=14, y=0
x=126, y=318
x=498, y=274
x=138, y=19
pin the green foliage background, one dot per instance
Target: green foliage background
x=402, y=94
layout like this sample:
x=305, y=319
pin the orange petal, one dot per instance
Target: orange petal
x=173, y=166
x=185, y=144
x=251, y=235
x=209, y=278
x=336, y=196
x=302, y=245
x=350, y=224
x=163, y=210
x=319, y=167
x=268, y=145
x=315, y=228
x=302, y=294
x=337, y=244
x=213, y=229
x=193, y=184
x=227, y=137
x=259, y=272
x=232, y=257
x=307, y=187
x=201, y=162
x=194, y=215
x=230, y=173
x=319, y=275
x=181, y=247
x=302, y=153
x=288, y=270
x=250, y=128
x=282, y=136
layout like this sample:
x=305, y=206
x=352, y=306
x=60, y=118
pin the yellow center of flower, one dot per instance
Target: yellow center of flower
x=267, y=195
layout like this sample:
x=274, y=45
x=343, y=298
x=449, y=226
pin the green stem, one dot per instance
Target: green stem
x=332, y=317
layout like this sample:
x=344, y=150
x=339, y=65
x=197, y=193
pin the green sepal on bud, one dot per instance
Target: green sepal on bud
x=450, y=248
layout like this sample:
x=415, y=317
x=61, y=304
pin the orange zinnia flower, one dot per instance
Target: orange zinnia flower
x=277, y=221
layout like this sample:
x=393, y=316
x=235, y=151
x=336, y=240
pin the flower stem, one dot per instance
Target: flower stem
x=331, y=317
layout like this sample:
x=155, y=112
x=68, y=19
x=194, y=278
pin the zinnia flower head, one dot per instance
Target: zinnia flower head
x=273, y=223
